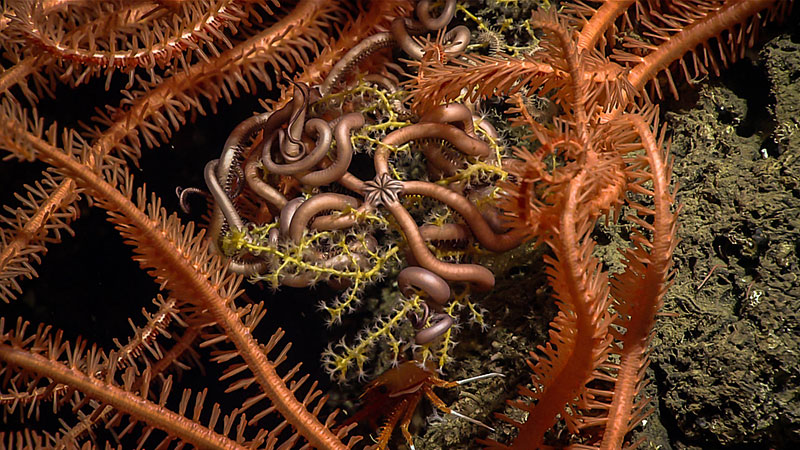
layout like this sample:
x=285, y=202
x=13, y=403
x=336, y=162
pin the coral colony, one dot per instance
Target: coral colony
x=376, y=163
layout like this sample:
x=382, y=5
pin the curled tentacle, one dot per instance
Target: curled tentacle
x=433, y=288
x=451, y=113
x=453, y=232
x=355, y=55
x=440, y=157
x=460, y=140
x=291, y=146
x=400, y=32
x=440, y=323
x=226, y=173
x=232, y=149
x=431, y=284
x=261, y=188
x=437, y=155
x=287, y=213
x=183, y=194
x=317, y=204
x=251, y=267
x=221, y=199
x=487, y=127
x=344, y=153
x=456, y=40
x=313, y=126
x=424, y=14
x=472, y=215
x=481, y=277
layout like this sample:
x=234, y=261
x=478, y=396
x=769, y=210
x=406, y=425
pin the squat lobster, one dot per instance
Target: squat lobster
x=396, y=393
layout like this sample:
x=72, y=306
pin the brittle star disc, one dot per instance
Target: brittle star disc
x=382, y=190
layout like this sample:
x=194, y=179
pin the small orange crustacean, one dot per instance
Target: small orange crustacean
x=395, y=395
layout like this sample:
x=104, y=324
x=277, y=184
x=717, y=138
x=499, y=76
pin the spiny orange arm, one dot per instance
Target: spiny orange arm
x=730, y=14
x=18, y=73
x=602, y=19
x=127, y=402
x=642, y=286
x=586, y=296
x=171, y=92
x=579, y=334
x=49, y=211
x=201, y=27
